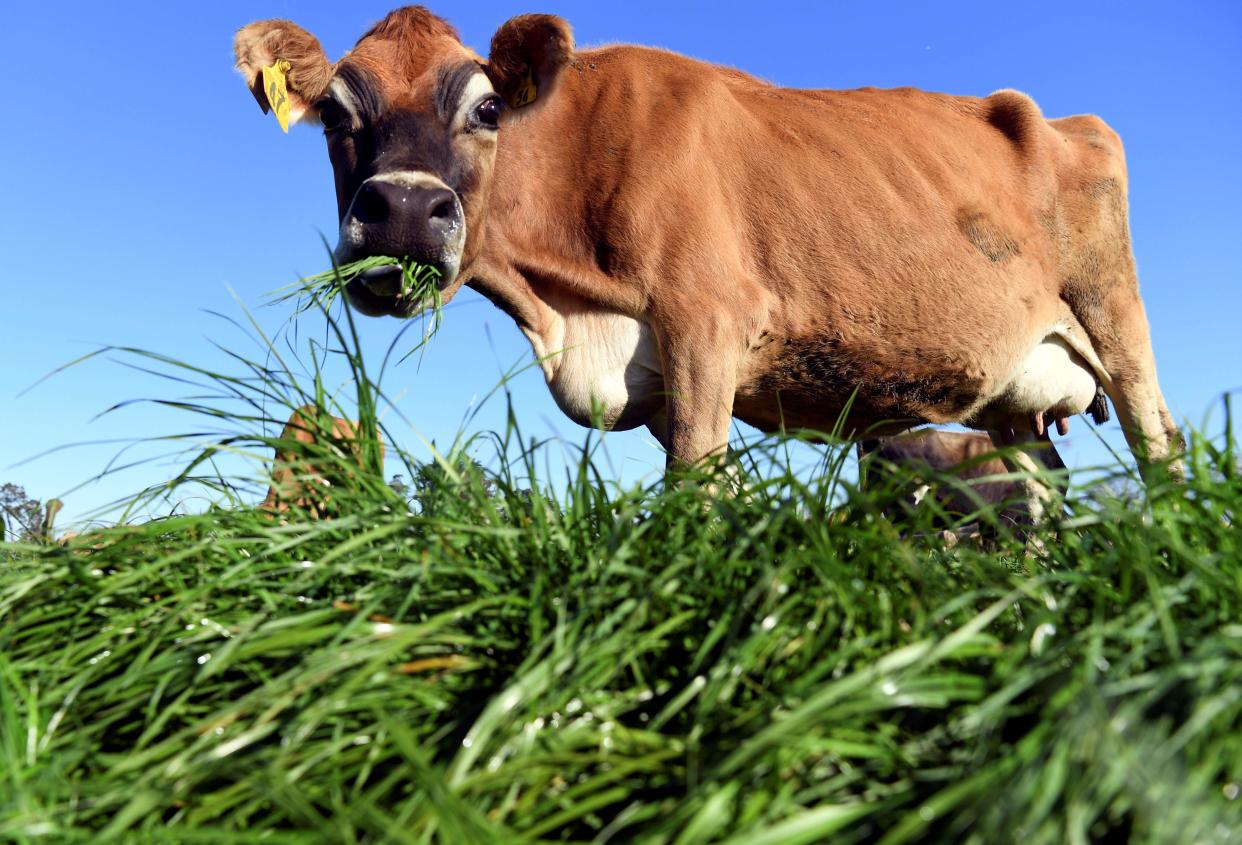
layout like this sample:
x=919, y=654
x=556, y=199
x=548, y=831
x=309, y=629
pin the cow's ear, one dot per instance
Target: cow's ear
x=527, y=55
x=280, y=59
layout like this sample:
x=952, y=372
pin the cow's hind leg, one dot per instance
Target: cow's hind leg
x=1100, y=286
x=1115, y=322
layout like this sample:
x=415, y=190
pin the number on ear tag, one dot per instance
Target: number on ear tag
x=278, y=92
x=525, y=93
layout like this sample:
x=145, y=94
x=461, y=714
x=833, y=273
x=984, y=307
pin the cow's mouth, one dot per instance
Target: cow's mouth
x=394, y=290
x=386, y=282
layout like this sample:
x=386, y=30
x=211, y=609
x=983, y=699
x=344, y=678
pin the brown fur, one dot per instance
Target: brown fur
x=399, y=50
x=789, y=251
x=302, y=477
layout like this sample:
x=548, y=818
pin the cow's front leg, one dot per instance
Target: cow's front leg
x=700, y=379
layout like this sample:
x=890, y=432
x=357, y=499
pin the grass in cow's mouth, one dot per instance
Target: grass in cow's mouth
x=419, y=294
x=419, y=283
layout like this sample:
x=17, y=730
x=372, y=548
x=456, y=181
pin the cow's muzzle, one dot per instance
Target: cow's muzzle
x=402, y=215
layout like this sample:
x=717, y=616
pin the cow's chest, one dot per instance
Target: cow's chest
x=601, y=366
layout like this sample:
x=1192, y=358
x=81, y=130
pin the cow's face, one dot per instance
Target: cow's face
x=411, y=119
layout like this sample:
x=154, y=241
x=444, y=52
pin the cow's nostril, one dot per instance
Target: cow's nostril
x=444, y=211
x=371, y=206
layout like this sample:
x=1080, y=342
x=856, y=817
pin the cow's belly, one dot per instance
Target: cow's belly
x=602, y=367
x=810, y=382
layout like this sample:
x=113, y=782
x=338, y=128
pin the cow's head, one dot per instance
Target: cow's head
x=411, y=118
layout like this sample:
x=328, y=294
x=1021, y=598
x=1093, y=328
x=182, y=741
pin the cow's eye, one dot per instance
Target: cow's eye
x=331, y=115
x=487, y=113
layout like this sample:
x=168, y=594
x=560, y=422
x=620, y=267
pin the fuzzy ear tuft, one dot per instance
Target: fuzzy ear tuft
x=264, y=43
x=527, y=55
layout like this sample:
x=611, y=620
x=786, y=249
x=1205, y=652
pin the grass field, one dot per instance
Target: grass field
x=499, y=663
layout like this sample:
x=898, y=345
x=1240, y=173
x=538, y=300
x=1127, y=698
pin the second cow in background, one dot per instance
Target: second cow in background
x=961, y=454
x=315, y=453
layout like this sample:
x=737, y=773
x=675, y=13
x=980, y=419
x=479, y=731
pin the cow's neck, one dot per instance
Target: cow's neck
x=538, y=252
x=541, y=263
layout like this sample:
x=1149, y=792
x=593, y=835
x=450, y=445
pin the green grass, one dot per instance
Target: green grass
x=321, y=289
x=504, y=664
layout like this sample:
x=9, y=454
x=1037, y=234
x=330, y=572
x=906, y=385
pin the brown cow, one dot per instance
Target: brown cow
x=683, y=243
x=965, y=455
x=315, y=450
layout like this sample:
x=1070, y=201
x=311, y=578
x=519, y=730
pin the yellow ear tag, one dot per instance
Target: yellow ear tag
x=277, y=92
x=525, y=93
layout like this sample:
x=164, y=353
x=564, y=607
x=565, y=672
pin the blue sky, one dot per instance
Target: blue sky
x=142, y=188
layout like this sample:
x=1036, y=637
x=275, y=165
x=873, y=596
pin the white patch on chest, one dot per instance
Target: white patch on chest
x=601, y=365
